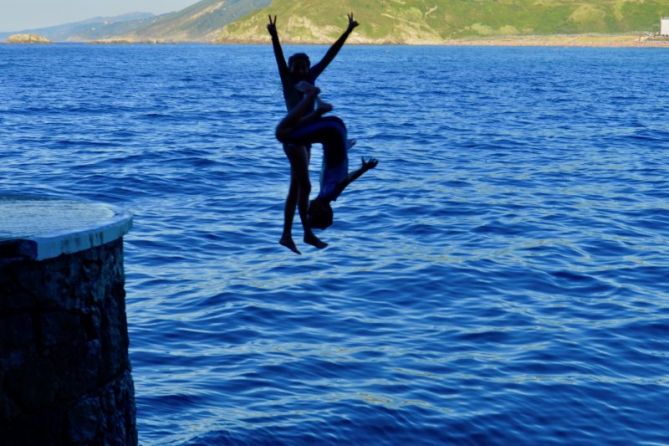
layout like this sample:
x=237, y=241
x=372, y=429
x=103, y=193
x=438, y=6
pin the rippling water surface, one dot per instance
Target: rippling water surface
x=500, y=278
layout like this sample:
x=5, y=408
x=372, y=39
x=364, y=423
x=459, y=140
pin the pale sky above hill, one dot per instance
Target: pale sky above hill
x=16, y=15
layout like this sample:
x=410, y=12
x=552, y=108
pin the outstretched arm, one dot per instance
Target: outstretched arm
x=367, y=164
x=278, y=51
x=317, y=69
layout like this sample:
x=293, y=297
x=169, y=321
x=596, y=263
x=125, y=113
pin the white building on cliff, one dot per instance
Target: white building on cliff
x=664, y=26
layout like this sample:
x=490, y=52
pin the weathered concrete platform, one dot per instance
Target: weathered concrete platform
x=41, y=228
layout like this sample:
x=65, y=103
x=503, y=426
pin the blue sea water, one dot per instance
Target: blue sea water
x=500, y=278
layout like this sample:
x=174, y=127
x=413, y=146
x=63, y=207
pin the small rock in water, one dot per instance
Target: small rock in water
x=27, y=38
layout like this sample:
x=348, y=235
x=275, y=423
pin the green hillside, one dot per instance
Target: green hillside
x=381, y=21
x=431, y=21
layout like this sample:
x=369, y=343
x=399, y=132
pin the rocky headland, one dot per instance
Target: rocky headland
x=27, y=38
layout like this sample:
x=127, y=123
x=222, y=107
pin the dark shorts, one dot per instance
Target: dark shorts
x=329, y=131
x=287, y=147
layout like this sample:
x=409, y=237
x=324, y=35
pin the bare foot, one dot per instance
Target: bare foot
x=314, y=241
x=290, y=244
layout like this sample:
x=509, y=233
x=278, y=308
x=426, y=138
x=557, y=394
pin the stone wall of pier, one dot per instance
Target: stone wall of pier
x=64, y=368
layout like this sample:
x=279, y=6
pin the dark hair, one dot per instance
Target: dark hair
x=298, y=56
x=320, y=214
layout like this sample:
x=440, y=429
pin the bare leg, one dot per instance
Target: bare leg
x=288, y=214
x=297, y=156
x=298, y=196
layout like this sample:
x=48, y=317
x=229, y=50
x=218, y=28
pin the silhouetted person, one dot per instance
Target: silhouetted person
x=298, y=69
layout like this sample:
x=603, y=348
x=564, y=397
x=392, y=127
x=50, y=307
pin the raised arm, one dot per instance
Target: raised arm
x=367, y=164
x=278, y=51
x=317, y=69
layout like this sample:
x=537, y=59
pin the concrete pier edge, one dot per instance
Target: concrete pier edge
x=64, y=226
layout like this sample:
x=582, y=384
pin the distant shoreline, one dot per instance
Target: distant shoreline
x=578, y=40
x=572, y=40
x=557, y=40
